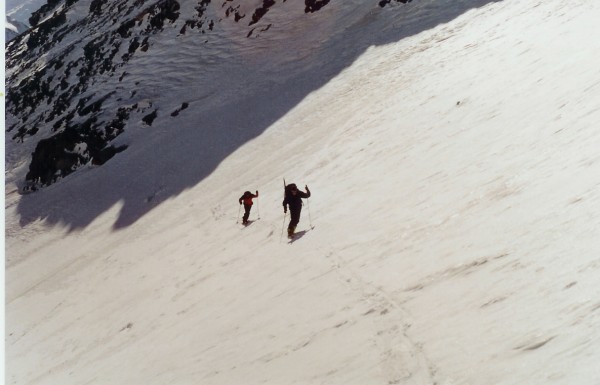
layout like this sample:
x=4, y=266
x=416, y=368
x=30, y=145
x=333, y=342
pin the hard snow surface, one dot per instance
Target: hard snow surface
x=455, y=175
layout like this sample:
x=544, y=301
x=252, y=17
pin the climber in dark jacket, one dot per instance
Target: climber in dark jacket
x=246, y=199
x=293, y=199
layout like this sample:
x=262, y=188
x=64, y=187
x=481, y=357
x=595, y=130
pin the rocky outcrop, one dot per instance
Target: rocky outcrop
x=383, y=3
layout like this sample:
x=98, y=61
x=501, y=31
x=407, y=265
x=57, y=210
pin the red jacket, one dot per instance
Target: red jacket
x=247, y=198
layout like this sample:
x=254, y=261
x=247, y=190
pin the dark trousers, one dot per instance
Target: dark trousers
x=295, y=218
x=247, y=209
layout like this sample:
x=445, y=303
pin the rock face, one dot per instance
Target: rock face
x=69, y=90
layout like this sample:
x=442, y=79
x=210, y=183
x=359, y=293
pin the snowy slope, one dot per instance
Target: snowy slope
x=452, y=235
x=13, y=28
x=17, y=14
x=209, y=91
x=21, y=10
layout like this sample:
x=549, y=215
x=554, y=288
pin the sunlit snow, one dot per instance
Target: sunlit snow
x=452, y=236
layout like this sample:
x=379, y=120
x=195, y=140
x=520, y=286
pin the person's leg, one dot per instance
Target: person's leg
x=295, y=218
x=246, y=213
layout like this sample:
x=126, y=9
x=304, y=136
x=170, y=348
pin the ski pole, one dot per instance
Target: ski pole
x=284, y=213
x=237, y=220
x=258, y=207
x=309, y=218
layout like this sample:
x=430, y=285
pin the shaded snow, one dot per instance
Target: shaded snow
x=21, y=10
x=13, y=29
x=455, y=207
x=17, y=14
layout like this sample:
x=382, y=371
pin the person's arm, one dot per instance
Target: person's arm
x=256, y=195
x=241, y=199
x=285, y=205
x=305, y=194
